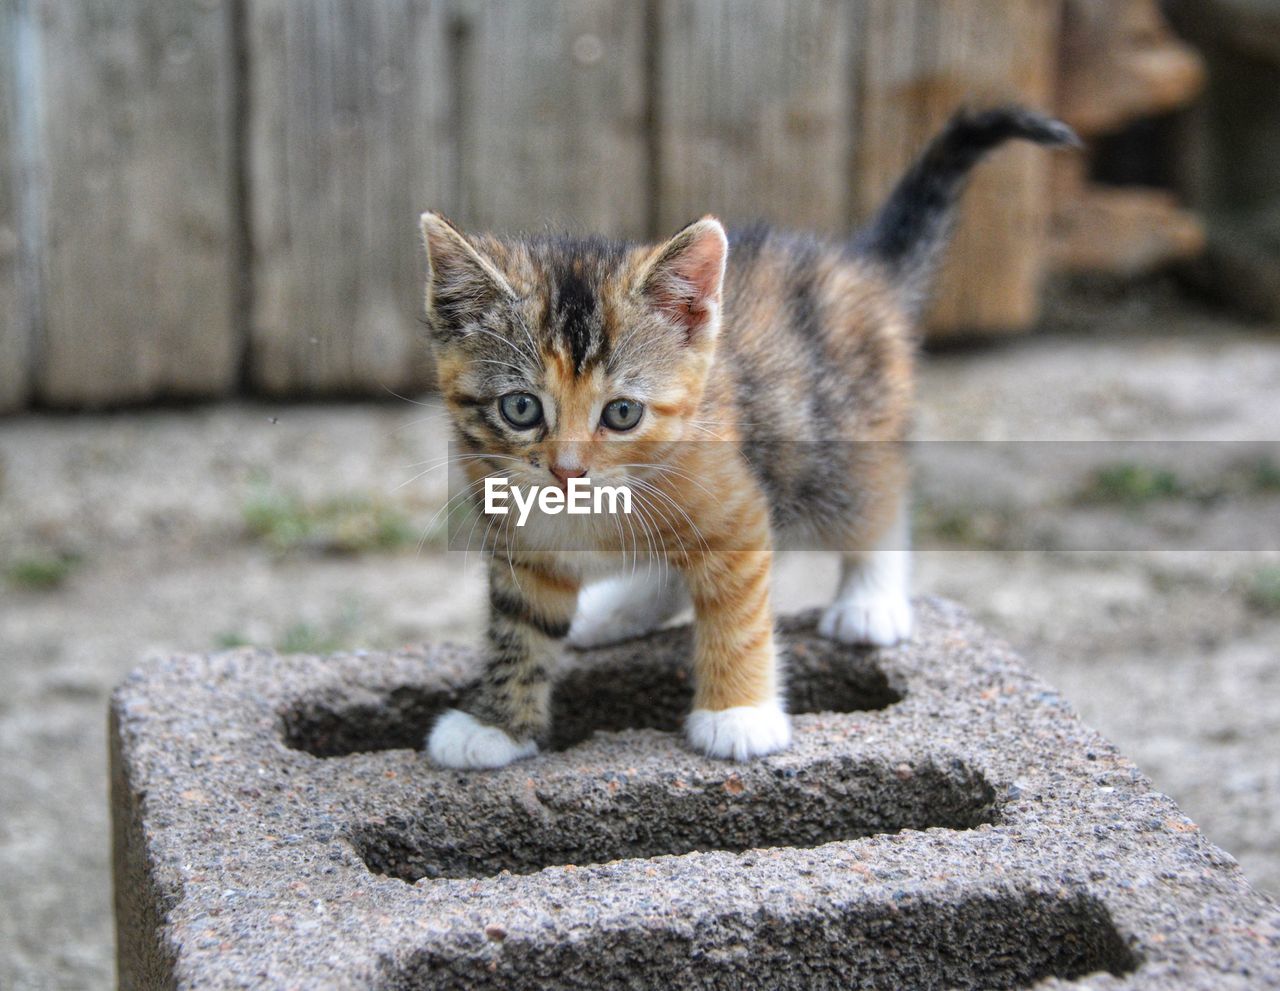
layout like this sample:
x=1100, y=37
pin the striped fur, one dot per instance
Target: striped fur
x=775, y=371
x=531, y=604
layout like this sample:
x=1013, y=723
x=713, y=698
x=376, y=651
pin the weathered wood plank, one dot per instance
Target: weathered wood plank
x=1120, y=62
x=1124, y=231
x=919, y=60
x=553, y=103
x=15, y=335
x=350, y=139
x=135, y=133
x=753, y=112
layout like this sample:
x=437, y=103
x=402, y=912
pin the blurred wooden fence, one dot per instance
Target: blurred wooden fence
x=210, y=196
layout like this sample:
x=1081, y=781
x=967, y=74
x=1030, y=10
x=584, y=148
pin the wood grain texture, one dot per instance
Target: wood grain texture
x=123, y=237
x=919, y=60
x=350, y=139
x=1126, y=231
x=15, y=326
x=1121, y=61
x=753, y=112
x=135, y=135
x=552, y=100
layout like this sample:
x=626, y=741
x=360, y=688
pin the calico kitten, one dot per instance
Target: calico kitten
x=720, y=377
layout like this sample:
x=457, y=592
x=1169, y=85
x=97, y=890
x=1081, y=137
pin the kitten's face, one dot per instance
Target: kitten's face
x=560, y=357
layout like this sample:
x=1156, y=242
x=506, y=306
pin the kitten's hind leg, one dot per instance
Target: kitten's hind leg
x=873, y=604
x=625, y=606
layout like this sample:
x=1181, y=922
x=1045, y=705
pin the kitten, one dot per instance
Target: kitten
x=562, y=358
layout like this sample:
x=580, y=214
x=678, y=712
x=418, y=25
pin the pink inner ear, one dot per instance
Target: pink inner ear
x=684, y=285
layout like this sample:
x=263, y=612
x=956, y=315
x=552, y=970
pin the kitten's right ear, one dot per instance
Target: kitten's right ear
x=462, y=284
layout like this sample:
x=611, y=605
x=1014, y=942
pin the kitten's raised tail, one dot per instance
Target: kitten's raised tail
x=913, y=227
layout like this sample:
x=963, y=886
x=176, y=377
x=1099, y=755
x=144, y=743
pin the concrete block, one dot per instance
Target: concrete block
x=942, y=820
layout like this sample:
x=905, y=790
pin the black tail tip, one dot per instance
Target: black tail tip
x=1051, y=131
x=909, y=231
x=995, y=125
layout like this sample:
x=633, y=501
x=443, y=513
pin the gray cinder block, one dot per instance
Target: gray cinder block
x=942, y=820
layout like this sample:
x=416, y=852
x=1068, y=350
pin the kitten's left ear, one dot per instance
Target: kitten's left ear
x=685, y=278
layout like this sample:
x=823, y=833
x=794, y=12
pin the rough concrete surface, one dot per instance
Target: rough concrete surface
x=1166, y=653
x=943, y=819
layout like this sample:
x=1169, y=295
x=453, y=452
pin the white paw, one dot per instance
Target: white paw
x=620, y=609
x=742, y=732
x=461, y=741
x=872, y=619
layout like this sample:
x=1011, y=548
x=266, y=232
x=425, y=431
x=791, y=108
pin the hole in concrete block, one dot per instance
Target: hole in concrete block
x=611, y=692
x=627, y=696
x=597, y=818
x=334, y=726
x=1006, y=939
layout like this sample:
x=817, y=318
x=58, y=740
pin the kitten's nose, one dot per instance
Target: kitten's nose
x=565, y=472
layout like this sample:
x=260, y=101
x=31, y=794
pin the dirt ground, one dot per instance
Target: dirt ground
x=132, y=535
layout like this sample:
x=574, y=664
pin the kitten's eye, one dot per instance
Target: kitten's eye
x=622, y=414
x=522, y=410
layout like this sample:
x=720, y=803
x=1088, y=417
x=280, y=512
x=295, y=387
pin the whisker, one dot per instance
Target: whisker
x=654, y=490
x=503, y=364
x=419, y=420
x=533, y=345
x=649, y=542
x=433, y=403
x=515, y=346
x=456, y=458
x=452, y=460
x=674, y=471
x=466, y=492
x=649, y=511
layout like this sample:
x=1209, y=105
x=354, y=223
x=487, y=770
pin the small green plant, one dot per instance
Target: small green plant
x=229, y=640
x=1262, y=591
x=1264, y=476
x=964, y=526
x=303, y=638
x=348, y=525
x=40, y=572
x=335, y=633
x=277, y=519
x=1129, y=484
x=948, y=524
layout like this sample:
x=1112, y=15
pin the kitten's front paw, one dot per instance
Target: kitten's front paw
x=461, y=741
x=741, y=733
x=872, y=619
